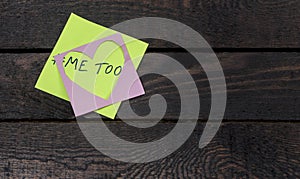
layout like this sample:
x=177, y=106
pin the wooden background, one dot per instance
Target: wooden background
x=257, y=43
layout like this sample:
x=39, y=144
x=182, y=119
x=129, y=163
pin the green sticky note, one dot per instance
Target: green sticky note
x=79, y=31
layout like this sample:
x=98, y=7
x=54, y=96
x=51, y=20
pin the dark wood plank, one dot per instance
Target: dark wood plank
x=239, y=150
x=229, y=23
x=261, y=86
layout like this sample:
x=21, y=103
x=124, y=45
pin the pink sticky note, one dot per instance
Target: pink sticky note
x=128, y=85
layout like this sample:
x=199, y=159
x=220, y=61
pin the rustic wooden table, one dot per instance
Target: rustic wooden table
x=257, y=43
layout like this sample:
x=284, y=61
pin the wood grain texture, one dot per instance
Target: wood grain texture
x=259, y=137
x=260, y=86
x=228, y=23
x=239, y=150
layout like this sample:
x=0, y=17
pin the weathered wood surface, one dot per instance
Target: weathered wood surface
x=239, y=150
x=225, y=24
x=259, y=137
x=260, y=86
